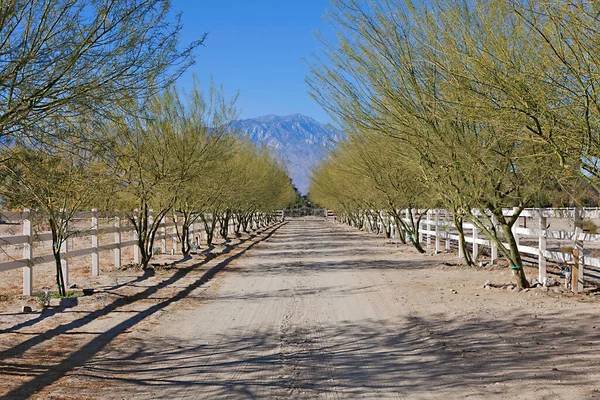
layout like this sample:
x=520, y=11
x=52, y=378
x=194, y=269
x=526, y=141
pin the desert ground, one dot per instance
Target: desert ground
x=305, y=309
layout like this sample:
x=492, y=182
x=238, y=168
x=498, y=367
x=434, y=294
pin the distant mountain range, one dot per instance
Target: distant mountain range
x=299, y=139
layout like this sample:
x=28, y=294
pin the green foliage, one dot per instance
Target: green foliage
x=85, y=58
x=69, y=295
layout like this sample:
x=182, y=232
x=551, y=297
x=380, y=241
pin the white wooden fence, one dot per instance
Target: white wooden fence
x=28, y=239
x=436, y=227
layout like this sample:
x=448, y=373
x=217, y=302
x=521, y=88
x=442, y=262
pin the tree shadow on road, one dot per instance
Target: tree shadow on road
x=46, y=375
x=413, y=357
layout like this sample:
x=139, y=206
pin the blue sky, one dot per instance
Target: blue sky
x=256, y=47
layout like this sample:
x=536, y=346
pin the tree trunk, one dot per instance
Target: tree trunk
x=414, y=231
x=209, y=227
x=56, y=244
x=60, y=280
x=416, y=243
x=399, y=229
x=146, y=232
x=458, y=224
x=224, y=224
x=514, y=257
x=387, y=226
x=237, y=223
x=185, y=239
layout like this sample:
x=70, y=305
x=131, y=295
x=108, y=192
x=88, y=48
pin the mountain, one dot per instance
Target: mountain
x=299, y=139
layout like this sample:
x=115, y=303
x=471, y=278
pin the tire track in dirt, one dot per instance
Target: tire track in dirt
x=304, y=357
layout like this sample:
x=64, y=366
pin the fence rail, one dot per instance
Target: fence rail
x=30, y=240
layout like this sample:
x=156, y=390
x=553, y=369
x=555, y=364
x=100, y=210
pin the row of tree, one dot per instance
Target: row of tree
x=90, y=117
x=177, y=159
x=472, y=106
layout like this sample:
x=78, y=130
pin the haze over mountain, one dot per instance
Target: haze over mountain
x=299, y=139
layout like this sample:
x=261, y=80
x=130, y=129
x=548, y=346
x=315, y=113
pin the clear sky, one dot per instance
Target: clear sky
x=256, y=47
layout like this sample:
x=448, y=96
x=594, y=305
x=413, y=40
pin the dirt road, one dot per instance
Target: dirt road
x=319, y=310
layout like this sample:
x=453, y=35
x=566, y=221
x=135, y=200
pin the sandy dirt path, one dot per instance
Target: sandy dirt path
x=319, y=310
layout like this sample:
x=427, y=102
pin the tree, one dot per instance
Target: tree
x=63, y=58
x=158, y=154
x=56, y=186
x=212, y=117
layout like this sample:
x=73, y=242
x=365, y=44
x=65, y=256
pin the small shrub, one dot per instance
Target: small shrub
x=590, y=227
x=43, y=299
x=69, y=295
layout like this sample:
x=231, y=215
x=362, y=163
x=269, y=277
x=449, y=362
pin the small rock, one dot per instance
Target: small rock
x=486, y=284
x=476, y=294
x=526, y=290
x=73, y=286
x=26, y=309
x=516, y=289
x=488, y=288
x=454, y=291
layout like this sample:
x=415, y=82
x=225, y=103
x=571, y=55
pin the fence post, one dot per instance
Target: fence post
x=460, y=243
x=514, y=229
x=192, y=233
x=428, y=224
x=437, y=231
x=542, y=235
x=163, y=235
x=27, y=253
x=199, y=228
x=475, y=244
x=136, y=246
x=418, y=225
x=118, y=242
x=447, y=230
x=578, y=255
x=150, y=222
x=174, y=236
x=494, y=248
x=94, y=233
